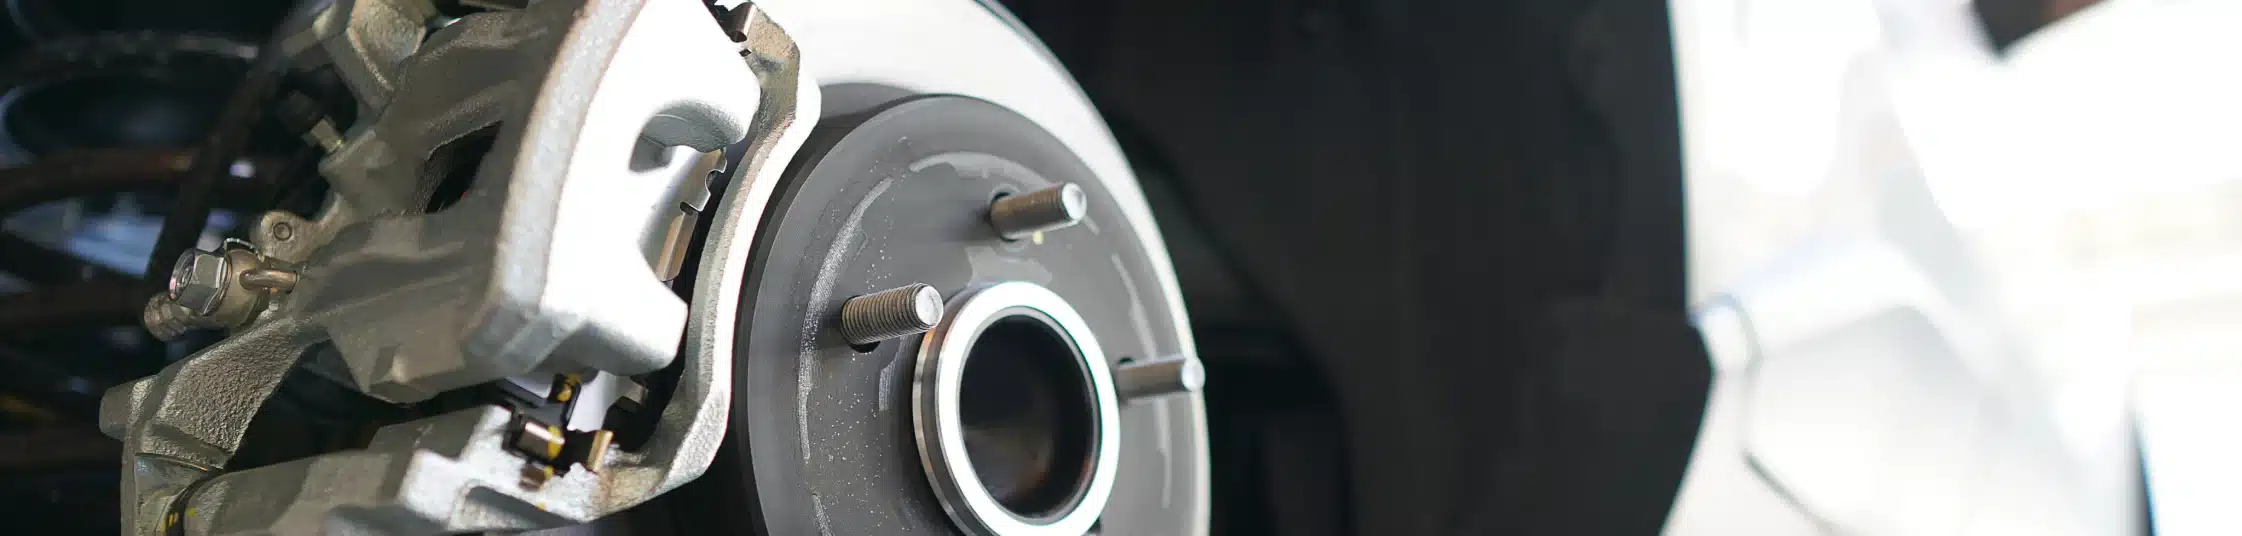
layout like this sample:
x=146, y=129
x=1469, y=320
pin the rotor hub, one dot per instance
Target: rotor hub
x=1003, y=419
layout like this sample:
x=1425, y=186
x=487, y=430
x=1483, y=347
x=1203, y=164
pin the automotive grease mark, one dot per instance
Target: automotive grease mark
x=887, y=381
x=817, y=506
x=984, y=165
x=988, y=264
x=822, y=292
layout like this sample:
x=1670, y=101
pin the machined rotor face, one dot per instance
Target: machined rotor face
x=841, y=437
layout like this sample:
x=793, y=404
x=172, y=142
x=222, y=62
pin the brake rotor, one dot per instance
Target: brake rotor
x=824, y=437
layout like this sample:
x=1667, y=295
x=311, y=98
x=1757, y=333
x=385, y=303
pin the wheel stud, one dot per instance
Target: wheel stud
x=887, y=314
x=1137, y=380
x=1048, y=209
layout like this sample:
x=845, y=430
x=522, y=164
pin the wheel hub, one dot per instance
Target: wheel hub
x=1003, y=419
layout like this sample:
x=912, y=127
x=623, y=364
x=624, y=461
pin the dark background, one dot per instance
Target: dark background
x=1432, y=251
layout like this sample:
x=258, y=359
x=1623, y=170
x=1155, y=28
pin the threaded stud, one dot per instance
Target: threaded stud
x=891, y=313
x=1158, y=377
x=1049, y=209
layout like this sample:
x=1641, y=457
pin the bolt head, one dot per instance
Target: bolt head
x=198, y=281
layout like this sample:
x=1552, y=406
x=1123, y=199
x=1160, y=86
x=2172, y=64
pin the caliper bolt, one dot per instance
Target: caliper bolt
x=1049, y=209
x=198, y=281
x=1135, y=380
x=167, y=320
x=210, y=290
x=887, y=314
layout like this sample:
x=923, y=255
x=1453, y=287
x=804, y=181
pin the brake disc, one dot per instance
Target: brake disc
x=951, y=313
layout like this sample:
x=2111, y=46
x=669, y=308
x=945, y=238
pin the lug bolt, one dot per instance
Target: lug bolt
x=1048, y=209
x=1158, y=377
x=198, y=281
x=891, y=313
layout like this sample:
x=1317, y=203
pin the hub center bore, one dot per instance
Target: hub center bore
x=1016, y=414
x=1029, y=415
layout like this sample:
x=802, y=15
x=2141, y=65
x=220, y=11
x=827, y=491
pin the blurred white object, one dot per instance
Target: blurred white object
x=1944, y=289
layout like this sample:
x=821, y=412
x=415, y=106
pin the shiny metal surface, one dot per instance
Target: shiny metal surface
x=938, y=418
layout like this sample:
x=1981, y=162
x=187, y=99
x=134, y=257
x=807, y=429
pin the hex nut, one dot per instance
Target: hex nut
x=198, y=281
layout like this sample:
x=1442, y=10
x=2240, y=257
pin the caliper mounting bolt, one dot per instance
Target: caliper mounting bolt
x=198, y=281
x=167, y=320
x=214, y=289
